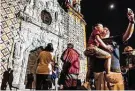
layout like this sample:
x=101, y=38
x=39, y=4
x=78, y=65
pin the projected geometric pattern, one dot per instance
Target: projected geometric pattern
x=9, y=27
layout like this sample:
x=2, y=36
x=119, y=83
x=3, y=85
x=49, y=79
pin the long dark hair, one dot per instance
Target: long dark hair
x=49, y=47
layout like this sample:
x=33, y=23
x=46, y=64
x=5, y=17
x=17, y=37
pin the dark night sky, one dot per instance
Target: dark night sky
x=116, y=20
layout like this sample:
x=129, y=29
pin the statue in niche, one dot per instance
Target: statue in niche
x=17, y=50
x=71, y=2
x=74, y=3
x=77, y=7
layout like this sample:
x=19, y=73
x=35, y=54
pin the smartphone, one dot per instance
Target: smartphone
x=129, y=11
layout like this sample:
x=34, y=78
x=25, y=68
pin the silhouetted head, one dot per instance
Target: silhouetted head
x=49, y=47
x=128, y=49
x=9, y=69
x=70, y=45
x=39, y=49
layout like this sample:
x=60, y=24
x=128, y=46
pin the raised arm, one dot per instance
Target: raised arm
x=108, y=47
x=130, y=28
x=101, y=42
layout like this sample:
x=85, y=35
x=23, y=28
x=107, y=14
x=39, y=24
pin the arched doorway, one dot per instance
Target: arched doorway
x=32, y=65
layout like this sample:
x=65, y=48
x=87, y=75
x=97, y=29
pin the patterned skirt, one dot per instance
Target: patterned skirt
x=71, y=80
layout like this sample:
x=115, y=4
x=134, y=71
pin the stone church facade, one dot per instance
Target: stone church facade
x=29, y=24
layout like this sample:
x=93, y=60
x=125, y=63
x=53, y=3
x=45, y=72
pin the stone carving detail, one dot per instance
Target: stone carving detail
x=46, y=17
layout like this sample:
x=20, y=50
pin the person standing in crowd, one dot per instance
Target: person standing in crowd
x=115, y=64
x=129, y=59
x=54, y=77
x=10, y=80
x=131, y=77
x=128, y=56
x=124, y=71
x=5, y=79
x=43, y=69
x=71, y=67
x=30, y=79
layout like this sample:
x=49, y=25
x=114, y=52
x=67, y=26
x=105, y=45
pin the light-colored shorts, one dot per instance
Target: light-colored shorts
x=98, y=52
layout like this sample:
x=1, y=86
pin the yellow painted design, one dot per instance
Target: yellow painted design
x=84, y=35
x=6, y=30
x=2, y=46
x=11, y=15
x=10, y=35
x=12, y=9
x=17, y=25
x=4, y=38
x=9, y=22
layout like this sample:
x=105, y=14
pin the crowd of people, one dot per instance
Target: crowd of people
x=104, y=70
x=103, y=55
x=47, y=70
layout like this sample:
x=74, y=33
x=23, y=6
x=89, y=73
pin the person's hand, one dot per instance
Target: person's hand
x=109, y=48
x=61, y=87
x=130, y=14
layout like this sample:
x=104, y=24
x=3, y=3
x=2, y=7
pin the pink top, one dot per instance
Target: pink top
x=73, y=56
x=92, y=39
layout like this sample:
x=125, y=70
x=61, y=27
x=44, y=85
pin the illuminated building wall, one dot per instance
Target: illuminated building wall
x=28, y=24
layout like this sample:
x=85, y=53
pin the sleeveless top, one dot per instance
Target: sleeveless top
x=98, y=64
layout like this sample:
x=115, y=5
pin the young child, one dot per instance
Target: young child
x=95, y=42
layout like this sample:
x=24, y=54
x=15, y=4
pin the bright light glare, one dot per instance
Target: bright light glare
x=111, y=6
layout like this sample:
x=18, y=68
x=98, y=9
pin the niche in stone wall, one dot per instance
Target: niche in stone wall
x=32, y=65
x=56, y=16
x=46, y=17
